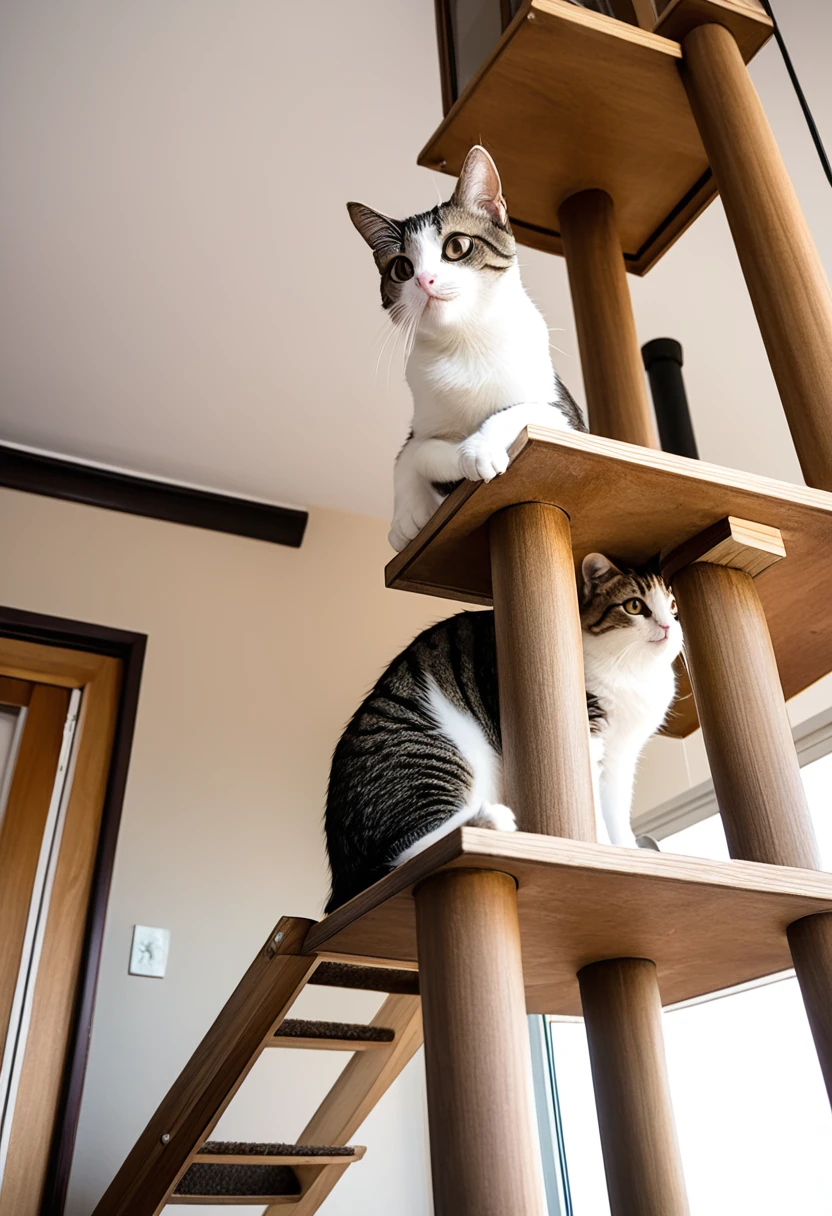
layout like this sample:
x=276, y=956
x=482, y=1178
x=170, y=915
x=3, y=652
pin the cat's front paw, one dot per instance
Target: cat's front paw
x=482, y=458
x=409, y=523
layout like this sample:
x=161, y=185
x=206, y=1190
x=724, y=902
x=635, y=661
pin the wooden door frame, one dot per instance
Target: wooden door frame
x=129, y=648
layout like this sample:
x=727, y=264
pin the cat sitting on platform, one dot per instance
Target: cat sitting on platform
x=477, y=348
x=422, y=754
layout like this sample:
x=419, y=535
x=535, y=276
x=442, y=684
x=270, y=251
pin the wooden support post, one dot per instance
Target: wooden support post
x=752, y=757
x=543, y=718
x=616, y=389
x=620, y=999
x=548, y=782
x=743, y=715
x=785, y=277
x=485, y=1156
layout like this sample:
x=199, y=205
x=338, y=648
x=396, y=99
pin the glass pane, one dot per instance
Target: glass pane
x=751, y=1109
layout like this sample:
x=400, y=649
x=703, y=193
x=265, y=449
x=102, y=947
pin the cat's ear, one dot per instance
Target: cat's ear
x=596, y=570
x=380, y=232
x=479, y=187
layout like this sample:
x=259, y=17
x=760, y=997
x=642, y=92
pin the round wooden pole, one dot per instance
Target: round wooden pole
x=785, y=277
x=743, y=716
x=616, y=390
x=548, y=782
x=620, y=999
x=540, y=667
x=485, y=1154
x=752, y=758
x=810, y=941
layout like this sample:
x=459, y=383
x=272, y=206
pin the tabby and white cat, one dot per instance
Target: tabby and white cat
x=479, y=366
x=421, y=756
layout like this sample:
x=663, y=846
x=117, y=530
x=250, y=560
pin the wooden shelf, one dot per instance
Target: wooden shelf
x=632, y=503
x=746, y=19
x=706, y=924
x=571, y=100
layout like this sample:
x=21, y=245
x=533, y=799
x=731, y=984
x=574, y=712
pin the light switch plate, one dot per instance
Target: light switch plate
x=149, y=952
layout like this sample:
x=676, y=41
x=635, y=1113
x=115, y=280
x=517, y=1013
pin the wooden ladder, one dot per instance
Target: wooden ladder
x=173, y=1161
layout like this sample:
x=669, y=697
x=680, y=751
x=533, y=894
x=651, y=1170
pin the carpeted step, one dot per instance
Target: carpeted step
x=338, y=1036
x=254, y=1172
x=370, y=979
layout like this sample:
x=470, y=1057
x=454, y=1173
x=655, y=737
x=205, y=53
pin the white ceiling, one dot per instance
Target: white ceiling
x=182, y=291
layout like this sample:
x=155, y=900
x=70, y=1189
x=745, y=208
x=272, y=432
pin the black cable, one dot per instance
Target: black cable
x=801, y=96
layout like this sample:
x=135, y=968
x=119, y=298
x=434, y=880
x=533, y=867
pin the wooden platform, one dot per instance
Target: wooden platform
x=632, y=503
x=706, y=924
x=571, y=100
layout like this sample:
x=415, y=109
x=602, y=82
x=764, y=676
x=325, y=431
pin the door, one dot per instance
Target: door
x=64, y=705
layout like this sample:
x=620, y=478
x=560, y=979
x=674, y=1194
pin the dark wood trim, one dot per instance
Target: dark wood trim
x=447, y=57
x=38, y=474
x=130, y=649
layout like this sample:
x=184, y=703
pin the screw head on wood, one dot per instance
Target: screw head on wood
x=271, y=949
x=165, y=1136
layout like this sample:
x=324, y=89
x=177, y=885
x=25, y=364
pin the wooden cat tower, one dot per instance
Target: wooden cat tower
x=611, y=137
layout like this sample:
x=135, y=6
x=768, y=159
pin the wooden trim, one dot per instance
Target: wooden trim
x=445, y=50
x=812, y=741
x=87, y=641
x=34, y=473
x=21, y=831
x=15, y=692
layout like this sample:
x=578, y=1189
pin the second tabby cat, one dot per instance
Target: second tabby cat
x=422, y=756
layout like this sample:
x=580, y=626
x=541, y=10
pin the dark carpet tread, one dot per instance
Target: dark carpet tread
x=369, y=979
x=243, y=1180
x=352, y=1032
x=237, y=1148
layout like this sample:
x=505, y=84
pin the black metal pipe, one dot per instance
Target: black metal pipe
x=663, y=364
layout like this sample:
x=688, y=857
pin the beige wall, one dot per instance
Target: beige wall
x=256, y=656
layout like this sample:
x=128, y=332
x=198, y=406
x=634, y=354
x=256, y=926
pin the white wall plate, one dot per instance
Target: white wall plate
x=149, y=952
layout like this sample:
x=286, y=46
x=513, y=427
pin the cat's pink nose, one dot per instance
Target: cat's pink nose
x=666, y=629
x=426, y=281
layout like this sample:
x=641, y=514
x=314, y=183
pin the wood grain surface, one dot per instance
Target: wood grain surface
x=623, y=1020
x=485, y=1150
x=572, y=100
x=706, y=924
x=633, y=503
x=746, y=19
x=785, y=276
x=616, y=388
x=543, y=720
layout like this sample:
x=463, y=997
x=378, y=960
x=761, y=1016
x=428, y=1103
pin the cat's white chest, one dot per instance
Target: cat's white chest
x=456, y=387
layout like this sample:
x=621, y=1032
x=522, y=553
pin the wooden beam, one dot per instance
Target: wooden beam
x=737, y=543
x=364, y=1081
x=214, y=1073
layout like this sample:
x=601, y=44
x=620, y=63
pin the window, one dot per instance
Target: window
x=751, y=1109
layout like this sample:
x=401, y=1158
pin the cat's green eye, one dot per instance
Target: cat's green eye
x=635, y=607
x=401, y=270
x=457, y=247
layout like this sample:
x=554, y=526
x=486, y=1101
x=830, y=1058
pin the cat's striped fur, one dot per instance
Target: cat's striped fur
x=422, y=753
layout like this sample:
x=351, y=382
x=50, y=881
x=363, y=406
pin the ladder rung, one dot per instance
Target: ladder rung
x=331, y=1036
x=370, y=979
x=233, y=1152
x=227, y=1172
